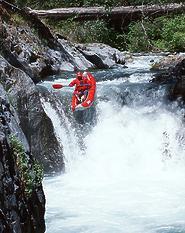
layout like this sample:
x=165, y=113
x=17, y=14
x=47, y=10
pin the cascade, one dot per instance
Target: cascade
x=129, y=175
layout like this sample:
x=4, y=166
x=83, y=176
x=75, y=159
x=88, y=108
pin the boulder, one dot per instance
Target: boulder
x=33, y=120
x=178, y=72
x=103, y=56
x=20, y=211
x=175, y=75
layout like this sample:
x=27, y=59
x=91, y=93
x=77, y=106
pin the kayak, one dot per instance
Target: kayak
x=88, y=100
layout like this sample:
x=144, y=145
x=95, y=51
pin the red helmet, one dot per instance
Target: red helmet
x=79, y=75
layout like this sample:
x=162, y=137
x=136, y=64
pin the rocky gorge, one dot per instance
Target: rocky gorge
x=29, y=52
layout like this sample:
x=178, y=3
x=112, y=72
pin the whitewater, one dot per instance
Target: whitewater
x=129, y=176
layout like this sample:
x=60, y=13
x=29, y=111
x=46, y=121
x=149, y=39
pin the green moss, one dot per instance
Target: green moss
x=31, y=172
x=18, y=19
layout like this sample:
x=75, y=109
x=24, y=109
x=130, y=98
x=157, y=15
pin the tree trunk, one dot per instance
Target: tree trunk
x=116, y=13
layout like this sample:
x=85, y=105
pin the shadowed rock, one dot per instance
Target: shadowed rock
x=34, y=122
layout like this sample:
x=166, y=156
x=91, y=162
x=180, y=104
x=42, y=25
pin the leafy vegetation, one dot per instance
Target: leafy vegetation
x=31, y=172
x=161, y=34
x=164, y=33
x=82, y=32
x=77, y=3
x=18, y=19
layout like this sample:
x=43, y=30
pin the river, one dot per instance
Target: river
x=125, y=162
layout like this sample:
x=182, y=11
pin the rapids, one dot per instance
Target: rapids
x=125, y=172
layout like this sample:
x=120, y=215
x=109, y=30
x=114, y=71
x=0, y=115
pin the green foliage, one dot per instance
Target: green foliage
x=31, y=172
x=139, y=35
x=151, y=2
x=86, y=32
x=18, y=19
x=94, y=31
x=105, y=3
x=173, y=33
x=164, y=33
x=43, y=4
x=39, y=173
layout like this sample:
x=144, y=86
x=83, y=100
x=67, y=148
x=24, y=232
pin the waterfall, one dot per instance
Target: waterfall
x=63, y=130
x=130, y=176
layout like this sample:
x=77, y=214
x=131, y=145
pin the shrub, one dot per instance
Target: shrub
x=139, y=36
x=173, y=32
x=31, y=172
x=164, y=33
x=86, y=32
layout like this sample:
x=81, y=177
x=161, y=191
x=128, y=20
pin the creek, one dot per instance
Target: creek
x=125, y=159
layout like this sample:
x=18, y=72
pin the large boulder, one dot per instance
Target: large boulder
x=34, y=122
x=22, y=204
x=101, y=55
x=33, y=48
x=174, y=75
x=178, y=90
x=75, y=58
x=24, y=50
x=168, y=62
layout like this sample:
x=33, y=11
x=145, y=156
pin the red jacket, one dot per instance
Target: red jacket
x=80, y=85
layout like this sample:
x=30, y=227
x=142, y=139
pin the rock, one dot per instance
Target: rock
x=18, y=49
x=178, y=90
x=176, y=76
x=77, y=59
x=33, y=120
x=40, y=56
x=103, y=56
x=168, y=61
x=19, y=212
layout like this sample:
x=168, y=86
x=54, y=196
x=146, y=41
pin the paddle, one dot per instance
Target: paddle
x=58, y=86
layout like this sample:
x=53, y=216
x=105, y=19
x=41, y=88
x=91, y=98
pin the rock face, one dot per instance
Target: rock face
x=169, y=61
x=178, y=90
x=176, y=76
x=39, y=53
x=19, y=212
x=101, y=55
x=34, y=122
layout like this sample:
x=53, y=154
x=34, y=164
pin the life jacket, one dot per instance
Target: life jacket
x=80, y=85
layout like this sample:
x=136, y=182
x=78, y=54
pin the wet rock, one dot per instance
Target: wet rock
x=12, y=205
x=32, y=118
x=19, y=212
x=42, y=54
x=178, y=72
x=24, y=50
x=76, y=59
x=18, y=49
x=103, y=56
x=176, y=76
x=169, y=61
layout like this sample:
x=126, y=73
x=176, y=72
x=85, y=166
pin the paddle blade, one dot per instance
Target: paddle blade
x=57, y=85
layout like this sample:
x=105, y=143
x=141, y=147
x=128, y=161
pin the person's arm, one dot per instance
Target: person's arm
x=72, y=83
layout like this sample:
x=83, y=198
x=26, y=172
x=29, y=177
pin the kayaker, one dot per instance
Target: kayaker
x=82, y=85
